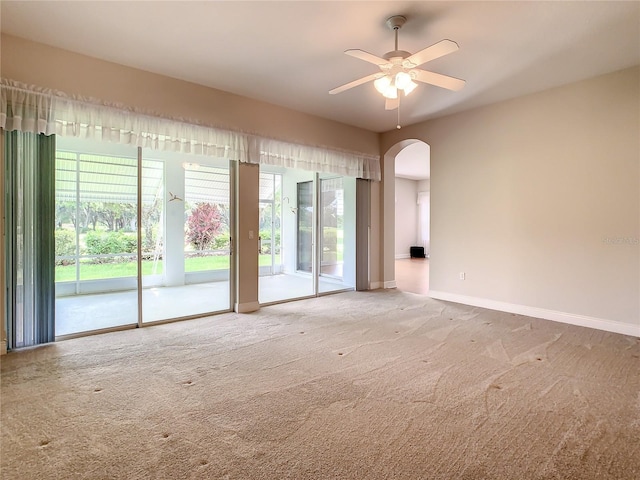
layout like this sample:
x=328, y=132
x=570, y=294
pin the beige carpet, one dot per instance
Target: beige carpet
x=374, y=385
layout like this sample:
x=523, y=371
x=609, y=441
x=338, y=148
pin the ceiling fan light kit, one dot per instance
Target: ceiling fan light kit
x=398, y=72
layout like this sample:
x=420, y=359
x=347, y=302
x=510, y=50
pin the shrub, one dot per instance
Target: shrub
x=221, y=242
x=102, y=243
x=330, y=237
x=265, y=236
x=65, y=245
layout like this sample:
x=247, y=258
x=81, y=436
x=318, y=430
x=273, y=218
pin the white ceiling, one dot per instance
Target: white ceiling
x=414, y=162
x=290, y=53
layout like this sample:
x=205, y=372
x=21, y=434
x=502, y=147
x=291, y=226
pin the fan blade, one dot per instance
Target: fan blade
x=391, y=103
x=355, y=83
x=366, y=56
x=437, y=50
x=439, y=80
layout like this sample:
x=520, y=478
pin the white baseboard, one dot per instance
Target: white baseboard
x=3, y=347
x=377, y=285
x=563, y=317
x=402, y=255
x=246, y=307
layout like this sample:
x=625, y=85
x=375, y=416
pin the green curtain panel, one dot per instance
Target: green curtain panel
x=30, y=223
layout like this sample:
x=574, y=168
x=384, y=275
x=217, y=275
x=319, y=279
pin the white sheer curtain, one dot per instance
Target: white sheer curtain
x=273, y=152
x=37, y=110
x=28, y=109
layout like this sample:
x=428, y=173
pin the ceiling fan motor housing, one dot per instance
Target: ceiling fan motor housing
x=396, y=21
x=396, y=54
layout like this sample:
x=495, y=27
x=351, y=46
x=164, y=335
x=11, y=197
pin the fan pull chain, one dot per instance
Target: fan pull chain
x=398, y=125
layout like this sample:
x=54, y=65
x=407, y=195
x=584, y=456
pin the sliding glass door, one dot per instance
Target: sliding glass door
x=291, y=277
x=270, y=227
x=193, y=242
x=334, y=227
x=96, y=244
x=177, y=206
x=305, y=227
x=337, y=233
x=317, y=231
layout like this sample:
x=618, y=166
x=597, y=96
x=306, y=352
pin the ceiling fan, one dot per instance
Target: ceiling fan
x=398, y=68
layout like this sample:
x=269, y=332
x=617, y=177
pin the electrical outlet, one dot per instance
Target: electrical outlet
x=462, y=275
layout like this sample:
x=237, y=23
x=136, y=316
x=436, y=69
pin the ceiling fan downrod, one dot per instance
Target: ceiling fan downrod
x=395, y=23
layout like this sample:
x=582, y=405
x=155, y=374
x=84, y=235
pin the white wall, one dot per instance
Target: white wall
x=424, y=221
x=537, y=199
x=424, y=203
x=406, y=216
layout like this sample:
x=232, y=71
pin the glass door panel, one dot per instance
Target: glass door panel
x=270, y=227
x=331, y=227
x=304, y=227
x=207, y=226
x=186, y=227
x=286, y=256
x=337, y=234
x=95, y=237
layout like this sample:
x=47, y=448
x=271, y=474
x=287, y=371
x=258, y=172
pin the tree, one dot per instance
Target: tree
x=65, y=213
x=203, y=224
x=115, y=216
x=151, y=214
x=88, y=215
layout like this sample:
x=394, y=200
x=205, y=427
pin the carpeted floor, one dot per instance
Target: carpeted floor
x=360, y=385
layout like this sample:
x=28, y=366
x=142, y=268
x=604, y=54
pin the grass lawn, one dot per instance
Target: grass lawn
x=96, y=271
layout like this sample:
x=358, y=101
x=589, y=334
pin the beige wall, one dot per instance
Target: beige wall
x=537, y=200
x=50, y=67
x=247, y=231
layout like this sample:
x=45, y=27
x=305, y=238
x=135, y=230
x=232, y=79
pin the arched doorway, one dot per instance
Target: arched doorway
x=407, y=195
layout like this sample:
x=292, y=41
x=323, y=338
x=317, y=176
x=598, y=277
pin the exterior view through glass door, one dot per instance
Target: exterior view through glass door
x=314, y=219
x=95, y=236
x=337, y=234
x=280, y=278
x=184, y=227
x=304, y=227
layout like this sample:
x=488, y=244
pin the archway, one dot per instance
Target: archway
x=406, y=201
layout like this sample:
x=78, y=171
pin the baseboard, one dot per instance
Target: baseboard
x=3, y=347
x=390, y=284
x=375, y=285
x=563, y=317
x=246, y=307
x=402, y=255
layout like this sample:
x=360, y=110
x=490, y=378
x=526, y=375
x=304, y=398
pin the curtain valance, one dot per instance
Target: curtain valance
x=31, y=109
x=28, y=109
x=291, y=155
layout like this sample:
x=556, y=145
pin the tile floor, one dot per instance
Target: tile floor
x=84, y=313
